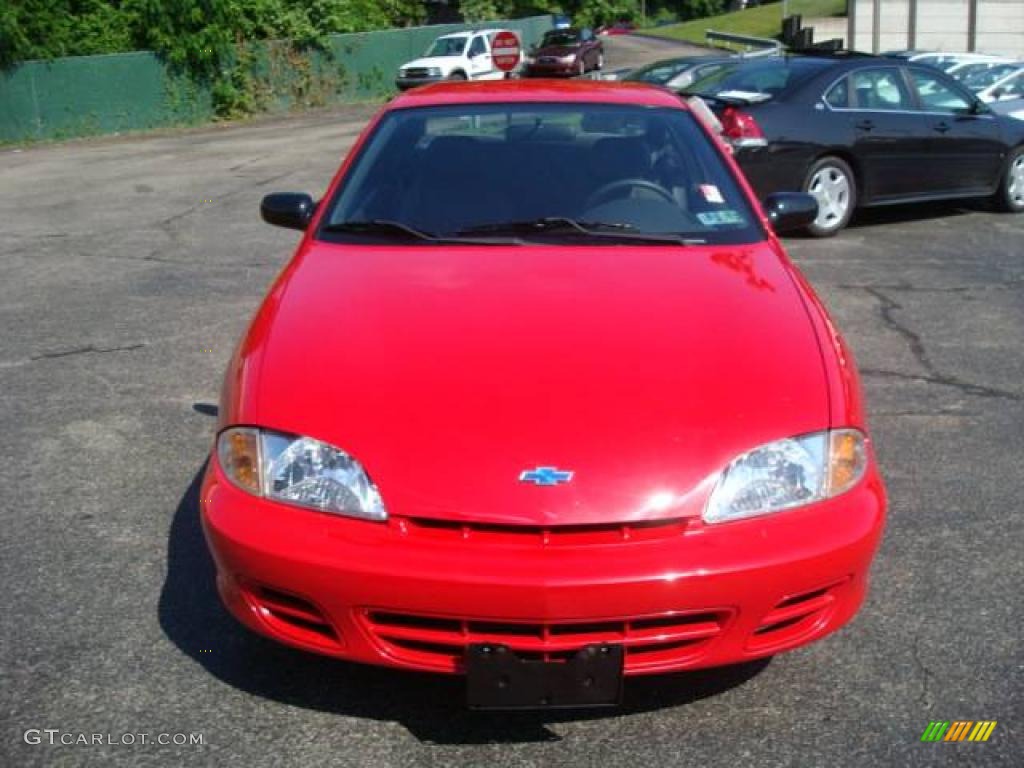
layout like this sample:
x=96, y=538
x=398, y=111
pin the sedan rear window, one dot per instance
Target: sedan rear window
x=660, y=72
x=603, y=173
x=759, y=80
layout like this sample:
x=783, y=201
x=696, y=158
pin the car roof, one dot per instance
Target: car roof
x=468, y=32
x=525, y=91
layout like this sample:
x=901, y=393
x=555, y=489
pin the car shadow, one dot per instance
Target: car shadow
x=894, y=214
x=430, y=706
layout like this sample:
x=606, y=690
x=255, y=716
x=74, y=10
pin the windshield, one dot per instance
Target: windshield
x=561, y=37
x=597, y=172
x=758, y=80
x=447, y=46
x=979, y=76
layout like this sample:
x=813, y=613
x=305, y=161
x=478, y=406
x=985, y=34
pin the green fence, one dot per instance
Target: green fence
x=86, y=95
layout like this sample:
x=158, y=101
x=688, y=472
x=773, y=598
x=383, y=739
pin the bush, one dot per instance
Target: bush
x=664, y=16
x=699, y=9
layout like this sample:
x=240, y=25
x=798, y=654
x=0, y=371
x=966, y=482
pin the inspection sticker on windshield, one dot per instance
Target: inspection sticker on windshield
x=711, y=193
x=718, y=218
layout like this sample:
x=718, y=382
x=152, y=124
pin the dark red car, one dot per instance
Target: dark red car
x=618, y=28
x=541, y=400
x=565, y=52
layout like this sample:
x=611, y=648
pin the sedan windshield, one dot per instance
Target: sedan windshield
x=447, y=46
x=527, y=172
x=560, y=37
x=984, y=76
x=981, y=74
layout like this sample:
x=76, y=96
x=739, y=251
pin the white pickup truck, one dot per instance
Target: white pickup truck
x=458, y=56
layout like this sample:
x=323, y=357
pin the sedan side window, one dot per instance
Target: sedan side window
x=936, y=95
x=880, y=89
x=838, y=96
x=1012, y=88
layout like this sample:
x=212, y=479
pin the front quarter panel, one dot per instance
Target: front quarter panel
x=845, y=395
x=238, y=396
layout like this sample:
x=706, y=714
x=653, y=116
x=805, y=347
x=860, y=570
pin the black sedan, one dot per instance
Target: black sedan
x=857, y=130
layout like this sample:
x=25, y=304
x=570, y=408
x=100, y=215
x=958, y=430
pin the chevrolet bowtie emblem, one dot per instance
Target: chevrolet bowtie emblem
x=545, y=476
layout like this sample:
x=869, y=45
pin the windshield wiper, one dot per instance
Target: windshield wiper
x=390, y=227
x=602, y=229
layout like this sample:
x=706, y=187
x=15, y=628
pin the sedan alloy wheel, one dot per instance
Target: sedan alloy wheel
x=831, y=183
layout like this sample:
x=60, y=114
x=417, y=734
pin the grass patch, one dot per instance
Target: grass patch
x=763, y=21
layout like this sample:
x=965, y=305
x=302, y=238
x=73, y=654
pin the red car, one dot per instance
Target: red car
x=564, y=52
x=541, y=400
x=618, y=28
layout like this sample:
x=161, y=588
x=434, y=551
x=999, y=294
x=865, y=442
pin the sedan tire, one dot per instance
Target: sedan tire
x=1010, y=195
x=832, y=183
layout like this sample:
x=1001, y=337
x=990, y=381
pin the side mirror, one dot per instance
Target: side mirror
x=293, y=210
x=788, y=211
x=997, y=94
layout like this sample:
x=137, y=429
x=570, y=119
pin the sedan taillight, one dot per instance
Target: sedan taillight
x=740, y=129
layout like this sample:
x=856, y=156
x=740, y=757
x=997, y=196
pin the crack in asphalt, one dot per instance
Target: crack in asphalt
x=905, y=287
x=926, y=673
x=88, y=350
x=887, y=307
x=946, y=381
x=902, y=287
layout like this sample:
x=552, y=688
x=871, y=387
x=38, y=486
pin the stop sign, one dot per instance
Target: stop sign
x=505, y=51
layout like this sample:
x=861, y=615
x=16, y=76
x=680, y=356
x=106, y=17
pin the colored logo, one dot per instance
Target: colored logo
x=958, y=730
x=545, y=476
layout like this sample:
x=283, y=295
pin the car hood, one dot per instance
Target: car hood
x=448, y=371
x=557, y=50
x=444, y=62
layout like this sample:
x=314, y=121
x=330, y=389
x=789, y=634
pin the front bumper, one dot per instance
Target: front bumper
x=677, y=595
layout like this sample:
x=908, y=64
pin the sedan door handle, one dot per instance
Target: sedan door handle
x=865, y=125
x=942, y=127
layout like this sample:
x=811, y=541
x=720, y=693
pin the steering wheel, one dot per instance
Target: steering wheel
x=607, y=192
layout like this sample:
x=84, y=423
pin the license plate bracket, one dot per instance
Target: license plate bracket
x=496, y=678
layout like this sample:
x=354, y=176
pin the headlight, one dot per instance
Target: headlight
x=788, y=473
x=433, y=71
x=298, y=470
x=567, y=59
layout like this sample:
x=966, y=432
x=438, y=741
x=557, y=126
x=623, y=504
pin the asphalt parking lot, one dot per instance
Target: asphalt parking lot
x=129, y=269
